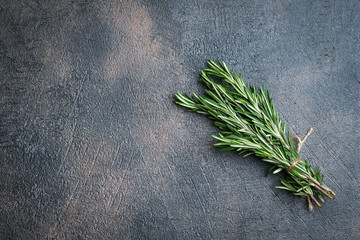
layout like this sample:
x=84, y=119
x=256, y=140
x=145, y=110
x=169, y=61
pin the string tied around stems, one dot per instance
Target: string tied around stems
x=298, y=148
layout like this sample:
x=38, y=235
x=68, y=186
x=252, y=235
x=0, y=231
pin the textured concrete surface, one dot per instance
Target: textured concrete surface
x=92, y=146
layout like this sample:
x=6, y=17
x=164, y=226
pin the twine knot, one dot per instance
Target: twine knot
x=299, y=145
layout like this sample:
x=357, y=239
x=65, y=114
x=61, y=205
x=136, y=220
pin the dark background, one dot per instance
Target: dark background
x=93, y=147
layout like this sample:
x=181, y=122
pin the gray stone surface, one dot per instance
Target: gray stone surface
x=92, y=146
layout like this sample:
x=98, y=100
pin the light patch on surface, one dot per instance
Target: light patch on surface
x=131, y=27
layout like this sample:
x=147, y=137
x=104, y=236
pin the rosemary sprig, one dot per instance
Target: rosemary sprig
x=251, y=125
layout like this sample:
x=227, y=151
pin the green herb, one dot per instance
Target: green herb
x=251, y=125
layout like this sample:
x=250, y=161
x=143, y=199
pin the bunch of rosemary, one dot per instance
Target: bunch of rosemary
x=251, y=125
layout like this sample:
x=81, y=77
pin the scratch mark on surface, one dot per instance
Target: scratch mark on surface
x=172, y=173
x=78, y=93
x=202, y=206
x=67, y=150
x=68, y=201
x=118, y=207
x=92, y=165
x=117, y=191
x=116, y=155
x=120, y=184
x=198, y=196
x=111, y=199
x=211, y=190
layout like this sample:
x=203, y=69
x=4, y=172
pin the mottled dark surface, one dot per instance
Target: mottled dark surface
x=92, y=146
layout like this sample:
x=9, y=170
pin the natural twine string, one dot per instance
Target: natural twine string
x=299, y=145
